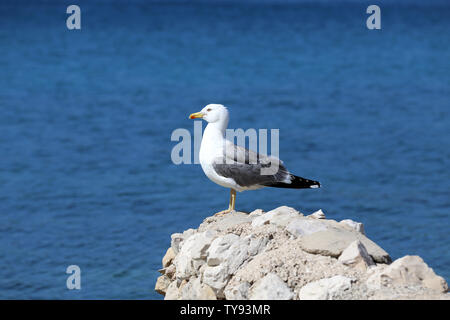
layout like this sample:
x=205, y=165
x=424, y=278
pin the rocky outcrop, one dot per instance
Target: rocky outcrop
x=282, y=254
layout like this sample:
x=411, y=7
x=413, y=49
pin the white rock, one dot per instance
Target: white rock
x=172, y=292
x=333, y=241
x=195, y=290
x=184, y=266
x=408, y=271
x=189, y=232
x=325, y=289
x=256, y=213
x=217, y=278
x=287, y=211
x=257, y=244
x=302, y=226
x=358, y=226
x=219, y=249
x=373, y=281
x=261, y=220
x=199, y=244
x=162, y=283
x=283, y=218
x=177, y=238
x=239, y=292
x=318, y=214
x=224, y=222
x=192, y=254
x=225, y=255
x=230, y=251
x=237, y=254
x=168, y=257
x=356, y=255
x=271, y=287
x=280, y=216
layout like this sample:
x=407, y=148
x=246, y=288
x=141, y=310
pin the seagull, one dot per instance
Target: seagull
x=238, y=168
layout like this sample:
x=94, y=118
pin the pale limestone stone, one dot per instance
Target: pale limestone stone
x=172, y=292
x=303, y=226
x=318, y=214
x=195, y=290
x=256, y=213
x=189, y=232
x=271, y=287
x=280, y=216
x=217, y=278
x=219, y=249
x=177, y=238
x=333, y=241
x=408, y=271
x=357, y=226
x=257, y=244
x=232, y=251
x=162, y=283
x=224, y=222
x=168, y=257
x=326, y=289
x=192, y=254
x=239, y=292
x=225, y=256
x=356, y=255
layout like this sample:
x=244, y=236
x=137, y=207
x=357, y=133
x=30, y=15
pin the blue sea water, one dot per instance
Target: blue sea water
x=86, y=117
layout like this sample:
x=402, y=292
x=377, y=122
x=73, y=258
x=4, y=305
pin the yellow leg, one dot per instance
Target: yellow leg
x=232, y=204
x=232, y=199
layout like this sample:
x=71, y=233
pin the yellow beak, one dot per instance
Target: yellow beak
x=196, y=115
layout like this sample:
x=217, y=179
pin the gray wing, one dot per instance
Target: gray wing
x=248, y=168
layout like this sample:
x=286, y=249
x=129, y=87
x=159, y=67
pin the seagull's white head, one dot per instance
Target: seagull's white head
x=212, y=113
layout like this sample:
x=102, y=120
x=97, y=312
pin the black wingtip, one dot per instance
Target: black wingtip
x=315, y=185
x=297, y=183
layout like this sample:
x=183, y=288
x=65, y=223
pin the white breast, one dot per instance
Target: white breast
x=211, y=148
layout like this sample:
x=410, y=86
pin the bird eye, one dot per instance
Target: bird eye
x=209, y=109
